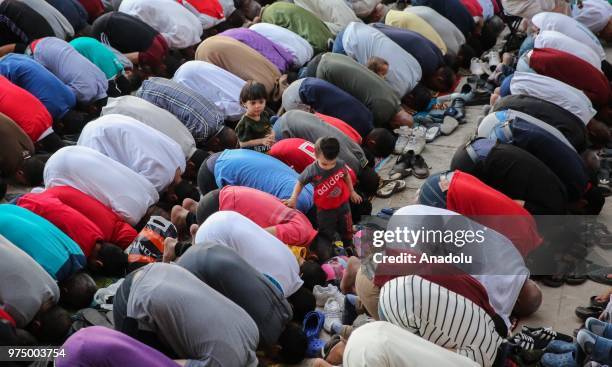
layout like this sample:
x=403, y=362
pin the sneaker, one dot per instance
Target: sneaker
x=417, y=140
x=494, y=59
x=476, y=67
x=322, y=294
x=449, y=125
x=333, y=313
x=432, y=133
x=403, y=136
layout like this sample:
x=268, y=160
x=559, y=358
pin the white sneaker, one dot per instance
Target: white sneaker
x=449, y=125
x=322, y=294
x=476, y=67
x=417, y=140
x=432, y=133
x=494, y=59
x=333, y=313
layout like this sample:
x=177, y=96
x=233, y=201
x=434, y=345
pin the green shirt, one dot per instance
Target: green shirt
x=98, y=54
x=355, y=79
x=300, y=21
x=249, y=129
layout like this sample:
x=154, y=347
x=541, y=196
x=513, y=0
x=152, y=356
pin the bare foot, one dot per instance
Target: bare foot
x=169, y=246
x=193, y=230
x=178, y=217
x=347, y=284
x=190, y=205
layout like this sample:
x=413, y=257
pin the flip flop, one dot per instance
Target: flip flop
x=601, y=275
x=596, y=303
x=553, y=281
x=590, y=311
x=313, y=324
x=315, y=346
x=574, y=279
x=390, y=188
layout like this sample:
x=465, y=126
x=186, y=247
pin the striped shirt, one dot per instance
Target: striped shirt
x=440, y=316
x=200, y=116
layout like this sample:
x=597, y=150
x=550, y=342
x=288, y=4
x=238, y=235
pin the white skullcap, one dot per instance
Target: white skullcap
x=594, y=14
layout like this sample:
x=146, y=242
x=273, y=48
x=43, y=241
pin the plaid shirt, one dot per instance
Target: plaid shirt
x=200, y=116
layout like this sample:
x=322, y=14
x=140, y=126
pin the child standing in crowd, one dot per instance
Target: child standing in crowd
x=332, y=190
x=379, y=66
x=254, y=130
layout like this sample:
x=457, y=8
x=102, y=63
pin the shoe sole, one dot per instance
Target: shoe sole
x=449, y=125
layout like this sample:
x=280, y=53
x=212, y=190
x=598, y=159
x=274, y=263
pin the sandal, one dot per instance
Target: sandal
x=601, y=275
x=574, y=279
x=391, y=187
x=591, y=311
x=402, y=167
x=313, y=324
x=596, y=303
x=553, y=281
x=419, y=167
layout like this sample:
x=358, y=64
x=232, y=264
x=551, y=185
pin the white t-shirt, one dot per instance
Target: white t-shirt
x=450, y=34
x=561, y=42
x=362, y=42
x=594, y=14
x=141, y=148
x=557, y=92
x=217, y=85
x=124, y=191
x=336, y=14
x=570, y=27
x=179, y=26
x=259, y=248
x=297, y=46
x=155, y=117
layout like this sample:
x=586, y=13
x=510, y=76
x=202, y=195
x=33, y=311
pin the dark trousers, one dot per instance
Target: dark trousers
x=337, y=220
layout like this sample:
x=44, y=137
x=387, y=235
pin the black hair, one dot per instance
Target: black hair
x=312, y=274
x=293, y=343
x=114, y=260
x=3, y=187
x=77, y=291
x=122, y=83
x=595, y=201
x=418, y=99
x=384, y=142
x=33, y=171
x=467, y=54
x=173, y=61
x=73, y=122
x=51, y=143
x=206, y=178
x=322, y=247
x=302, y=301
x=198, y=157
x=448, y=78
x=328, y=146
x=54, y=325
x=227, y=138
x=291, y=77
x=184, y=190
x=208, y=205
x=135, y=78
x=369, y=181
x=312, y=66
x=462, y=161
x=252, y=91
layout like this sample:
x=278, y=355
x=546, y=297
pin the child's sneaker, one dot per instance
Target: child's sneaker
x=417, y=141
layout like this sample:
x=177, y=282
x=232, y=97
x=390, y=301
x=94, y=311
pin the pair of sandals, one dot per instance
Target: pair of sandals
x=409, y=164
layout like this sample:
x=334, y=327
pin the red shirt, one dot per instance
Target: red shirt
x=81, y=217
x=298, y=154
x=266, y=210
x=573, y=71
x=94, y=8
x=471, y=197
x=342, y=126
x=25, y=109
x=209, y=7
x=473, y=7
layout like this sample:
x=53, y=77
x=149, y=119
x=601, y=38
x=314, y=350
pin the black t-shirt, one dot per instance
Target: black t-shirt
x=73, y=11
x=124, y=32
x=24, y=20
x=521, y=176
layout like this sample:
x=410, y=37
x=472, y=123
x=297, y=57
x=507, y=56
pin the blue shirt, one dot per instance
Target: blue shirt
x=245, y=167
x=423, y=50
x=45, y=243
x=40, y=82
x=330, y=100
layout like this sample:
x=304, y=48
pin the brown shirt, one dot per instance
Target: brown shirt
x=242, y=61
x=15, y=145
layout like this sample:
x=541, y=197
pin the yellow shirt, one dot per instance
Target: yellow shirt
x=413, y=22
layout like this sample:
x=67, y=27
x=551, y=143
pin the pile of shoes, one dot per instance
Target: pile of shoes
x=410, y=139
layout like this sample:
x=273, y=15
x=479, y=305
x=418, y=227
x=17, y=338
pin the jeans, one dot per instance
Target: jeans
x=431, y=193
x=337, y=47
x=527, y=45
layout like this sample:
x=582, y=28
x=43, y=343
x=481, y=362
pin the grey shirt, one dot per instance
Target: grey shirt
x=193, y=319
x=244, y=285
x=300, y=124
x=24, y=285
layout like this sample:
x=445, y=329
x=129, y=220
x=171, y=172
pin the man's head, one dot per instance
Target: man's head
x=176, y=193
x=442, y=80
x=51, y=326
x=326, y=151
x=418, y=99
x=606, y=33
x=379, y=142
x=194, y=162
x=529, y=299
x=72, y=122
x=302, y=302
x=379, y=66
x=77, y=291
x=401, y=118
x=31, y=172
x=225, y=138
x=108, y=259
x=312, y=274
x=208, y=205
x=293, y=345
x=598, y=132
x=464, y=57
x=368, y=181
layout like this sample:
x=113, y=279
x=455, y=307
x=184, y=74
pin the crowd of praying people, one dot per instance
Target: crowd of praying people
x=199, y=178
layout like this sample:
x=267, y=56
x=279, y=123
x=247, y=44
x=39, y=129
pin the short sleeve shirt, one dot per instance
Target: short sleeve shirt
x=330, y=189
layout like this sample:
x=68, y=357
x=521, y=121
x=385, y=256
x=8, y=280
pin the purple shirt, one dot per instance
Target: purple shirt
x=276, y=54
x=101, y=346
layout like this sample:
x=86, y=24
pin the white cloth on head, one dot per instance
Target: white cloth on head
x=363, y=8
x=155, y=117
x=450, y=34
x=488, y=10
x=362, y=42
x=143, y=149
x=336, y=14
x=217, y=85
x=124, y=191
x=570, y=27
x=296, y=45
x=561, y=42
x=254, y=244
x=595, y=14
x=557, y=92
x=178, y=25
x=383, y=344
